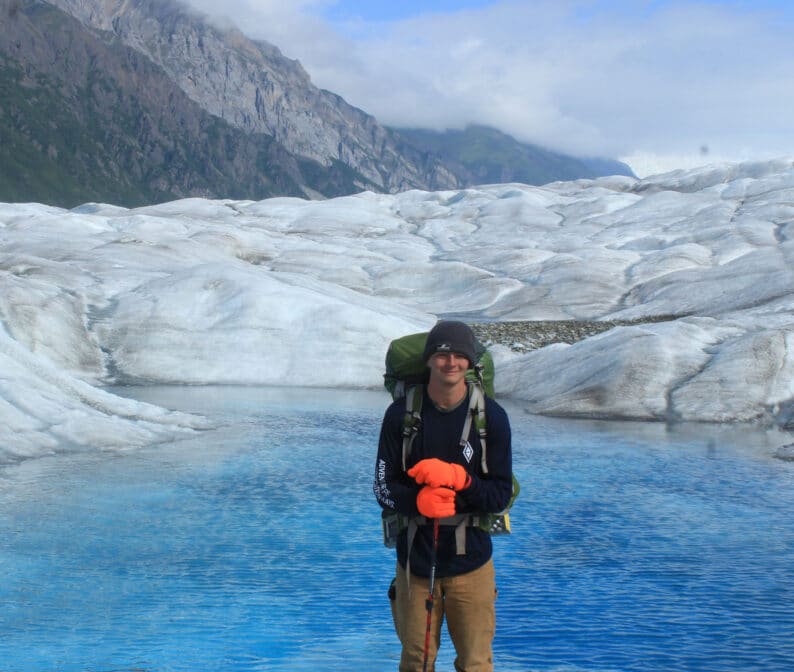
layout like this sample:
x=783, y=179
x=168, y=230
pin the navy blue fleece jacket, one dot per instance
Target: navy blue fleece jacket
x=439, y=436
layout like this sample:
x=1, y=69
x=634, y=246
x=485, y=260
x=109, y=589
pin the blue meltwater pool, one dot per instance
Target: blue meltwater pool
x=635, y=547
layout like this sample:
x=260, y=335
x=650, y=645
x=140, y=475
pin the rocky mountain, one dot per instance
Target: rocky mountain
x=253, y=87
x=83, y=117
x=138, y=101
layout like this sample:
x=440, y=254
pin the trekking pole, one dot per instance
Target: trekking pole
x=429, y=601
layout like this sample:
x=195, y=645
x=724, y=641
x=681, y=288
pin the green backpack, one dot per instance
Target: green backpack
x=406, y=374
x=405, y=366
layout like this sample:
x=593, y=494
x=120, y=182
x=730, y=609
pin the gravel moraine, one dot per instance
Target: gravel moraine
x=526, y=336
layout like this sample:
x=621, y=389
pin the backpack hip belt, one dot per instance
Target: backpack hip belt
x=492, y=523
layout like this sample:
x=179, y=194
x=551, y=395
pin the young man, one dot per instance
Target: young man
x=444, y=478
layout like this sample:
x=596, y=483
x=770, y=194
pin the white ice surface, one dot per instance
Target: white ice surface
x=306, y=293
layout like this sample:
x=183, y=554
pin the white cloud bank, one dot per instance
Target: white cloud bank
x=301, y=293
x=653, y=83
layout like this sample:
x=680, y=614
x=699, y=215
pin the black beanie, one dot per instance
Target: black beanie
x=451, y=336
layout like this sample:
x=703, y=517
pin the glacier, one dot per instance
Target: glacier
x=299, y=293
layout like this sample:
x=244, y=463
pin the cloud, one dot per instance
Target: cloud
x=585, y=77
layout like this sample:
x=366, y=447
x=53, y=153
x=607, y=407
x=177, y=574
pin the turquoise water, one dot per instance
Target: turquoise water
x=257, y=547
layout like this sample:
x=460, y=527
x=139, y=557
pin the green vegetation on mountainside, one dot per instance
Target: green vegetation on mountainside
x=43, y=147
x=487, y=156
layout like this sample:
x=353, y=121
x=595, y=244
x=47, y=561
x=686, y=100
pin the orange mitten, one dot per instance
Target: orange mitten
x=437, y=473
x=436, y=502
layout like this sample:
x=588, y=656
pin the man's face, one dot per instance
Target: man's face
x=448, y=368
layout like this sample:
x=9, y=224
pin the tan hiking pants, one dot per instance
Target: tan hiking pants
x=468, y=603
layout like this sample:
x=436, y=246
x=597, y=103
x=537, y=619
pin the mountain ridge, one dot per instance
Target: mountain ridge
x=136, y=101
x=106, y=124
x=481, y=154
x=252, y=86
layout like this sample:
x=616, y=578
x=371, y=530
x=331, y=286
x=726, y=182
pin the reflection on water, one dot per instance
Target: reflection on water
x=257, y=547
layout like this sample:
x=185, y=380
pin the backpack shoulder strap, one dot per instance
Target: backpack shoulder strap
x=412, y=419
x=476, y=415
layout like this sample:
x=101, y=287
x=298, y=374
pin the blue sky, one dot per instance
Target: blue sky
x=656, y=82
x=375, y=10
x=385, y=10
